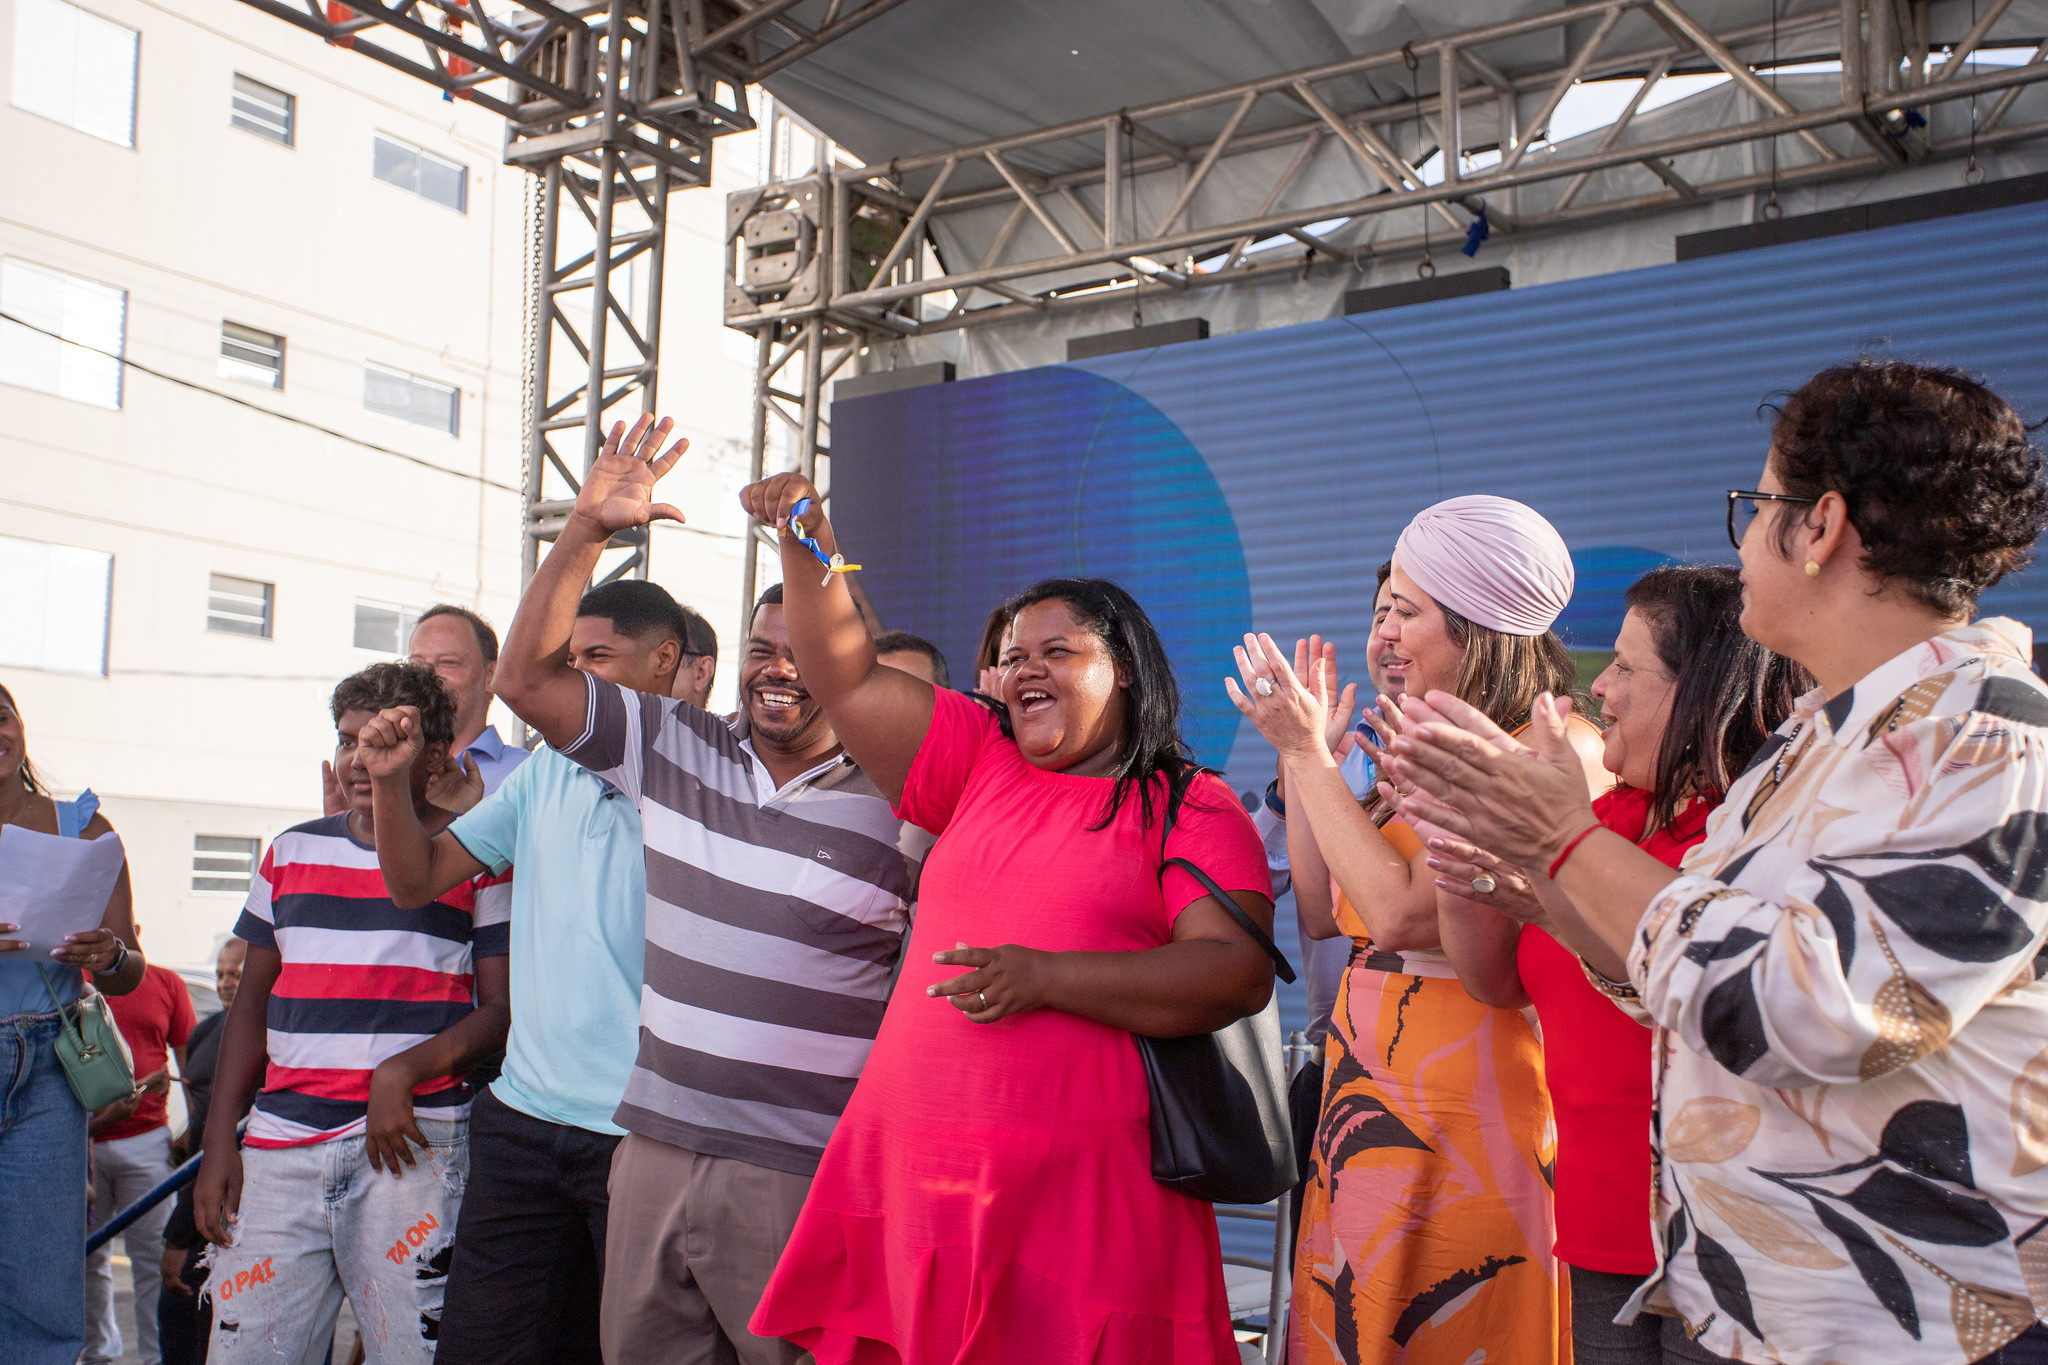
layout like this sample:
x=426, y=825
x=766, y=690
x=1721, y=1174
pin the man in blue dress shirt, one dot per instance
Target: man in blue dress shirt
x=461, y=647
x=527, y=1275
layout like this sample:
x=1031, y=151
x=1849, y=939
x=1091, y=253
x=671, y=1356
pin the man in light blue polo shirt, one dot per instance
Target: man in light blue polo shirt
x=529, y=1251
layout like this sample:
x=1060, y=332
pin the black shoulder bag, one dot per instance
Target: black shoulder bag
x=1220, y=1125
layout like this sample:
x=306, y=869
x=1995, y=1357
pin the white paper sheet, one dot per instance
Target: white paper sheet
x=52, y=887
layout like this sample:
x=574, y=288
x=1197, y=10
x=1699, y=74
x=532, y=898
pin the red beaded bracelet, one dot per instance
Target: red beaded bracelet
x=1572, y=846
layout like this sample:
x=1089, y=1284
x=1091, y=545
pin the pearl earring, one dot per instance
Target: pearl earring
x=1812, y=569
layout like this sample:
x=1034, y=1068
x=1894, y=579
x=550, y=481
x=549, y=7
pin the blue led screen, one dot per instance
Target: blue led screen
x=1256, y=481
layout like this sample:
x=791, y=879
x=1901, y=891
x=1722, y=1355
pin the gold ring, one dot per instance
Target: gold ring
x=982, y=996
x=1484, y=883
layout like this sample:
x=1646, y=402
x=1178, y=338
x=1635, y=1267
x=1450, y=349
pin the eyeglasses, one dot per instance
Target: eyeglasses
x=1743, y=507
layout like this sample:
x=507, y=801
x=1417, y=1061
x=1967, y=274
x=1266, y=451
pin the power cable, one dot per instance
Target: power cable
x=258, y=407
x=313, y=426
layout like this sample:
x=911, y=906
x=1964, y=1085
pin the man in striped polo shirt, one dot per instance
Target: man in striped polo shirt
x=368, y=1017
x=779, y=883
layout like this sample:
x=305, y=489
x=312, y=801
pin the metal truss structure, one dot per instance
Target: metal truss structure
x=864, y=265
x=774, y=236
x=822, y=265
x=612, y=106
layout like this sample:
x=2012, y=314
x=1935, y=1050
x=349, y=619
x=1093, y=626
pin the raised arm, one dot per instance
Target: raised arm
x=1395, y=895
x=417, y=866
x=534, y=677
x=1315, y=908
x=880, y=714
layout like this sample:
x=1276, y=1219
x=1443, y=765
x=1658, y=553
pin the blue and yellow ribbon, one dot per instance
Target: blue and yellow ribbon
x=833, y=563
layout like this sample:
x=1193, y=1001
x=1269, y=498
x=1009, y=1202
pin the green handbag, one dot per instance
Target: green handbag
x=91, y=1050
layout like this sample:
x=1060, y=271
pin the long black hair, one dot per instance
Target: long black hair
x=1731, y=692
x=1151, y=743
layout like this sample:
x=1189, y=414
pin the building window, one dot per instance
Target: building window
x=251, y=356
x=76, y=68
x=421, y=172
x=238, y=606
x=409, y=398
x=53, y=614
x=60, y=310
x=384, y=628
x=222, y=862
x=262, y=110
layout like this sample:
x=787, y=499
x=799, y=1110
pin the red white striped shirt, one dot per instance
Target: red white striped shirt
x=362, y=980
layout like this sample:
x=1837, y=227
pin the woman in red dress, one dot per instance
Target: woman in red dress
x=1687, y=701
x=987, y=1197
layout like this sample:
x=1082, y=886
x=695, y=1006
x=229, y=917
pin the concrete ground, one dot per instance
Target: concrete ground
x=124, y=1313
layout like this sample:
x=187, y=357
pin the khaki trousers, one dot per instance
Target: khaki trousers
x=688, y=1250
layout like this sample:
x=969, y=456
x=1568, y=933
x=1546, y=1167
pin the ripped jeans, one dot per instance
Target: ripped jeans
x=316, y=1223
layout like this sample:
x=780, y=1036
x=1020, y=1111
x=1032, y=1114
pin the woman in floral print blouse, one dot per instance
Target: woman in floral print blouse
x=1847, y=976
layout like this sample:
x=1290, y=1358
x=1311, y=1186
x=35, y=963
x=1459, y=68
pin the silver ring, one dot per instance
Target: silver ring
x=1484, y=883
x=982, y=996
x=1262, y=685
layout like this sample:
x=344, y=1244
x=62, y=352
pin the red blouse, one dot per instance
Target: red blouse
x=1597, y=1062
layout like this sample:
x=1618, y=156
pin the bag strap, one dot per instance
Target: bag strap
x=68, y=1022
x=1281, y=966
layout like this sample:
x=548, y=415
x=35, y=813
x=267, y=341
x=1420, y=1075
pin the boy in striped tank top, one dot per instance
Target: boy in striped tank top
x=369, y=1017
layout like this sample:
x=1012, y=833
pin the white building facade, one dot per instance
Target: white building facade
x=260, y=404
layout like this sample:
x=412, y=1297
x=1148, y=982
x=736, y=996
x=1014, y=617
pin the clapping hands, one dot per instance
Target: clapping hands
x=1299, y=709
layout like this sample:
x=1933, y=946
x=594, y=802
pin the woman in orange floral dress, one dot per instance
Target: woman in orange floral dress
x=1426, y=1231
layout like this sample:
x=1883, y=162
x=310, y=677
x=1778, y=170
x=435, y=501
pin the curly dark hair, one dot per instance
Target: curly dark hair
x=401, y=684
x=1940, y=479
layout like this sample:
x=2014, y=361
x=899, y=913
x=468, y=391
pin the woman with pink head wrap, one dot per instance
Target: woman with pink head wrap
x=1495, y=560
x=1426, y=1219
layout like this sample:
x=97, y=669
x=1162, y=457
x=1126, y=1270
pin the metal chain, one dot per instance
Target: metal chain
x=1973, y=173
x=1772, y=209
x=529, y=382
x=1426, y=267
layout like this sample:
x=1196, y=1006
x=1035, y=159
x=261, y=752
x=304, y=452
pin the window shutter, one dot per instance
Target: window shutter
x=53, y=615
x=238, y=606
x=420, y=172
x=250, y=355
x=263, y=110
x=91, y=314
x=411, y=399
x=224, y=862
x=76, y=68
